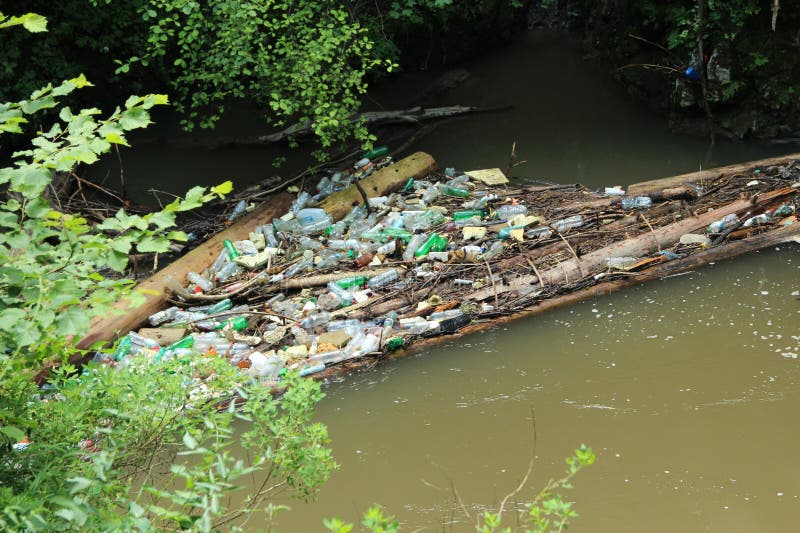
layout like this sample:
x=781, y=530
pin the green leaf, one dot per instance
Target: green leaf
x=134, y=118
x=189, y=441
x=38, y=208
x=30, y=180
x=32, y=22
x=72, y=321
x=223, y=188
x=153, y=243
x=15, y=434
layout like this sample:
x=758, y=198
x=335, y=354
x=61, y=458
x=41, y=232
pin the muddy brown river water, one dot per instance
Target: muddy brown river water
x=687, y=388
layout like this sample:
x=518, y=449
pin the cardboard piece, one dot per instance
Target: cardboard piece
x=488, y=176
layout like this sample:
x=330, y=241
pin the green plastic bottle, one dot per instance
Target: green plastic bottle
x=231, y=249
x=428, y=245
x=409, y=185
x=186, y=342
x=123, y=349
x=375, y=236
x=454, y=191
x=380, y=151
x=349, y=283
x=394, y=343
x=398, y=233
x=237, y=324
x=461, y=215
x=222, y=305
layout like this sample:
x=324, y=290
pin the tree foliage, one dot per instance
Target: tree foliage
x=142, y=446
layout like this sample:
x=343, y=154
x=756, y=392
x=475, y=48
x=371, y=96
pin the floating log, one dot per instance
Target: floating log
x=381, y=182
x=645, y=188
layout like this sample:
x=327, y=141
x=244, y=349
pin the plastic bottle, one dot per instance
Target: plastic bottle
x=782, y=211
x=341, y=244
x=311, y=370
x=238, y=323
x=336, y=230
x=458, y=181
x=494, y=250
x=428, y=219
x=758, y=220
x=329, y=261
x=231, y=249
x=351, y=282
x=343, y=294
x=385, y=278
x=265, y=366
x=287, y=226
x=220, y=306
x=459, y=281
x=123, y=348
x=306, y=243
x=452, y=191
x=315, y=320
x=388, y=248
x=561, y=226
x=444, y=315
x=376, y=152
x=398, y=233
x=141, y=340
x=228, y=271
x=415, y=242
x=361, y=162
x=620, y=263
x=539, y=232
x=507, y=212
x=471, y=213
x=434, y=243
x=222, y=260
x=163, y=316
x=364, y=259
x=269, y=234
x=298, y=268
x=430, y=194
x=200, y=281
x=329, y=301
x=238, y=210
x=636, y=202
x=246, y=247
x=300, y=202
x=723, y=223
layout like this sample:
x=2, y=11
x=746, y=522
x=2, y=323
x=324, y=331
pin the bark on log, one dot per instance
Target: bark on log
x=383, y=181
x=647, y=187
x=107, y=328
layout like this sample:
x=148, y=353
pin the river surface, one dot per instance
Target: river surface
x=687, y=388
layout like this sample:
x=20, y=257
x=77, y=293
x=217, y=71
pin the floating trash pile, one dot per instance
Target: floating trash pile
x=307, y=291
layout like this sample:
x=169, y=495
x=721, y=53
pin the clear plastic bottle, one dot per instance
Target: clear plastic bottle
x=163, y=316
x=222, y=260
x=723, y=223
x=329, y=301
x=444, y=315
x=507, y=212
x=494, y=250
x=336, y=230
x=300, y=202
x=385, y=278
x=307, y=243
x=636, y=202
x=620, y=263
x=298, y=268
x=200, y=281
x=344, y=294
x=329, y=261
x=315, y=320
x=238, y=210
x=565, y=224
x=388, y=248
x=430, y=194
x=269, y=234
x=342, y=244
x=415, y=242
x=228, y=271
x=758, y=220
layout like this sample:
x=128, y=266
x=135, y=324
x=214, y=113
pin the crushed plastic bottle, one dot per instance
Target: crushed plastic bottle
x=507, y=212
x=636, y=202
x=722, y=224
x=620, y=263
x=566, y=224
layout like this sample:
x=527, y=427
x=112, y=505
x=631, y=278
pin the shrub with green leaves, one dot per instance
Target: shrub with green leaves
x=145, y=447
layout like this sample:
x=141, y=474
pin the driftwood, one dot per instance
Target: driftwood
x=647, y=187
x=382, y=181
x=413, y=116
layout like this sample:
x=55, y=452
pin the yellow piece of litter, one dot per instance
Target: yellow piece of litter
x=488, y=176
x=474, y=232
x=517, y=234
x=524, y=220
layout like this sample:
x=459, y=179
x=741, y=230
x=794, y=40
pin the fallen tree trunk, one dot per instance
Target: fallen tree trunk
x=647, y=187
x=381, y=182
x=642, y=245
